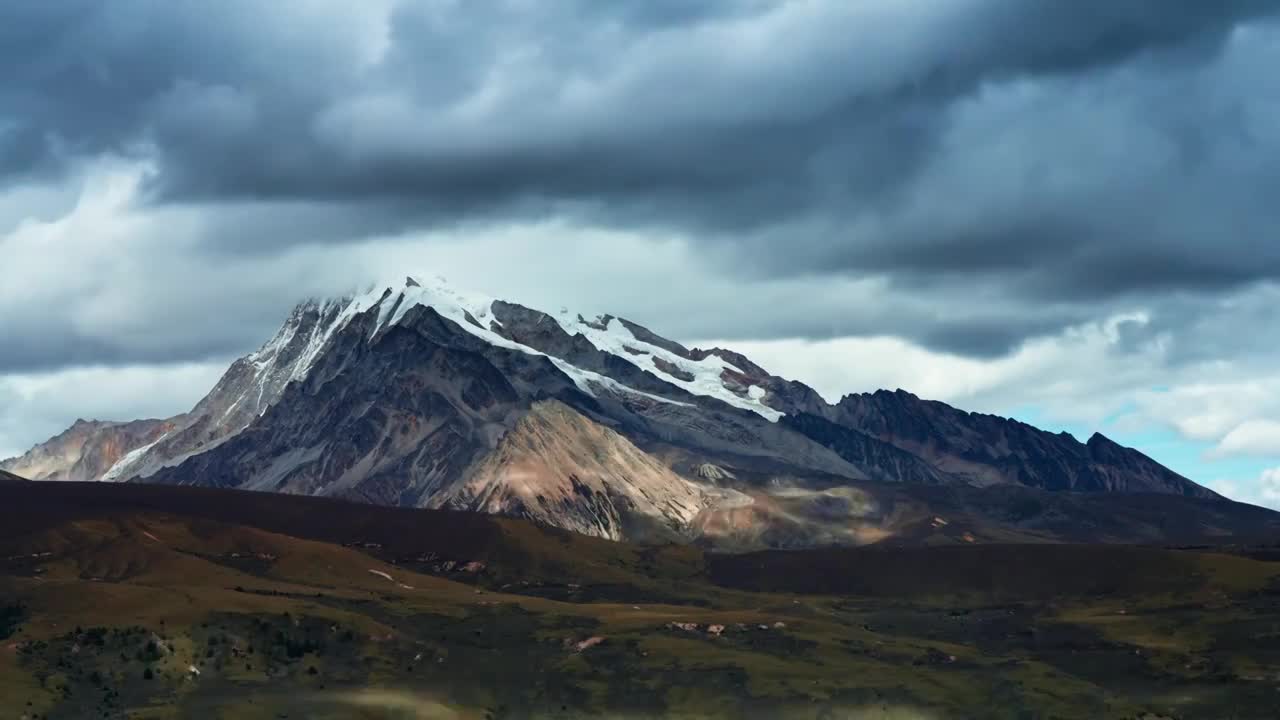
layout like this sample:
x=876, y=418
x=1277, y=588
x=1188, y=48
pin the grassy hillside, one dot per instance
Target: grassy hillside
x=157, y=602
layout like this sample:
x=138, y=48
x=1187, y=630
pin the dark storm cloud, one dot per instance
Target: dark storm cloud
x=51, y=341
x=170, y=311
x=246, y=99
x=1068, y=156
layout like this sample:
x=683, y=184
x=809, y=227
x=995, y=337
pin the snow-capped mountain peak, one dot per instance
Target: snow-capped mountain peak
x=698, y=374
x=255, y=382
x=417, y=393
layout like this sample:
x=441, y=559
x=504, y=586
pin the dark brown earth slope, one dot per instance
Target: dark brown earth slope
x=122, y=601
x=531, y=548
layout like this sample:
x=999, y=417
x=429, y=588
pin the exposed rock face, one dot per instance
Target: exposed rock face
x=250, y=386
x=786, y=396
x=422, y=396
x=986, y=449
x=647, y=336
x=560, y=468
x=884, y=462
x=86, y=450
x=388, y=420
x=676, y=371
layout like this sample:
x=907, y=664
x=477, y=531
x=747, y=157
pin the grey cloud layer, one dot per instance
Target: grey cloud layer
x=1021, y=164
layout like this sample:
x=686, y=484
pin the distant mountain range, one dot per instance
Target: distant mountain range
x=420, y=395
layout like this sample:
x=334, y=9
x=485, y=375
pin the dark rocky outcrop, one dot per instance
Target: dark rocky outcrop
x=673, y=369
x=987, y=449
x=883, y=461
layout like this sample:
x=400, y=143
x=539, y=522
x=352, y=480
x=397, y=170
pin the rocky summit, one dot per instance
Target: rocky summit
x=420, y=395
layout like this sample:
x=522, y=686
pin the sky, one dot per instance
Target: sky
x=1063, y=212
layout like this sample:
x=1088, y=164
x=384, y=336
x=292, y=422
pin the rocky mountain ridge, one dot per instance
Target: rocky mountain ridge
x=988, y=449
x=419, y=395
x=87, y=450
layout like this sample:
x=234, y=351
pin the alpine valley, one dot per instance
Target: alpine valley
x=418, y=395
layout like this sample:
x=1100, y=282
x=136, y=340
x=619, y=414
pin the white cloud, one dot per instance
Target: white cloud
x=1077, y=375
x=1210, y=411
x=1252, y=437
x=1269, y=486
x=1239, y=413
x=1264, y=491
